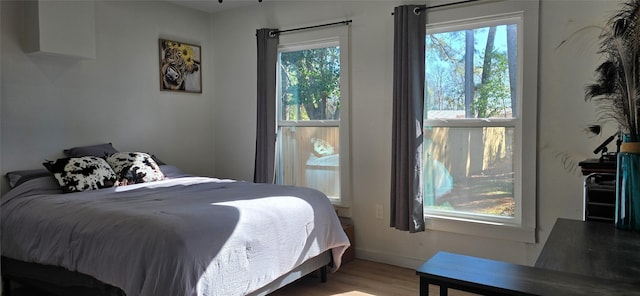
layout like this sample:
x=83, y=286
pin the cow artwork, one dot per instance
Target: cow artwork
x=180, y=67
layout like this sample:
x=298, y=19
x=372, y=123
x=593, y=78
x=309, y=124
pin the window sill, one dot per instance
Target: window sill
x=495, y=230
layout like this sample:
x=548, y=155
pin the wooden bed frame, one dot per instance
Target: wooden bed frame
x=60, y=281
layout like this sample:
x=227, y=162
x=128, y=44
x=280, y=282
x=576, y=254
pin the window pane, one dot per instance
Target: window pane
x=469, y=170
x=310, y=84
x=471, y=73
x=309, y=156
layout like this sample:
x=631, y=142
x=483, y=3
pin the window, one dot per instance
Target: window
x=312, y=92
x=476, y=123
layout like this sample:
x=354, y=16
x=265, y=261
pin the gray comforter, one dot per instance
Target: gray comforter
x=180, y=236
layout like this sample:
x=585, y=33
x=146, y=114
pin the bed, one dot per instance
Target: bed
x=182, y=235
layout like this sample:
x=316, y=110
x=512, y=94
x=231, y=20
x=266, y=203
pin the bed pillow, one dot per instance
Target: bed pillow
x=172, y=172
x=100, y=150
x=75, y=174
x=157, y=160
x=18, y=177
x=135, y=167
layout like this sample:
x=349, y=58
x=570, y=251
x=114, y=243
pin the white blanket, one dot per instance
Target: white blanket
x=182, y=236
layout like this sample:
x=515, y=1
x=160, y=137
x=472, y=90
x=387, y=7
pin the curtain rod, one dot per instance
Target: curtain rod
x=274, y=33
x=417, y=10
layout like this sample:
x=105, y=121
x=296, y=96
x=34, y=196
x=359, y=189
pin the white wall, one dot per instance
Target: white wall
x=51, y=103
x=563, y=114
x=564, y=72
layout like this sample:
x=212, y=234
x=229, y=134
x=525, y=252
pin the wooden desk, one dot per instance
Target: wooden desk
x=592, y=249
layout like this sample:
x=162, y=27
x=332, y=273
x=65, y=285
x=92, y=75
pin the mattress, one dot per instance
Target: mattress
x=184, y=235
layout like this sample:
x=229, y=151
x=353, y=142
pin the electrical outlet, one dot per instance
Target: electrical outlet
x=379, y=213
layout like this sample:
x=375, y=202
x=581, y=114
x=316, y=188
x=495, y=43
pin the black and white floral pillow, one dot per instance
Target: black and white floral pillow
x=76, y=174
x=135, y=167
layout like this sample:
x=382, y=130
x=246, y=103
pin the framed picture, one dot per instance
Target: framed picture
x=180, y=66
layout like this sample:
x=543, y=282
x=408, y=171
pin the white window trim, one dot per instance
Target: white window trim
x=526, y=163
x=471, y=122
x=309, y=123
x=324, y=37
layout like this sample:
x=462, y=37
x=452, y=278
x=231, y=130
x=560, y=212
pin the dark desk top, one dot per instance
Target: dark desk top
x=593, y=249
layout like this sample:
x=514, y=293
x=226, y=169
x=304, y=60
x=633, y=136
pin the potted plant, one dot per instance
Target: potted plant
x=616, y=92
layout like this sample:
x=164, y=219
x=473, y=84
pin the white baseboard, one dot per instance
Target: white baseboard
x=386, y=258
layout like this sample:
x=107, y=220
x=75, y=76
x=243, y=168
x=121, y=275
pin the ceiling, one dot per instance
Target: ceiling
x=213, y=6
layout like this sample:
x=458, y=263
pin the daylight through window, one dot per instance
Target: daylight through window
x=310, y=112
x=471, y=119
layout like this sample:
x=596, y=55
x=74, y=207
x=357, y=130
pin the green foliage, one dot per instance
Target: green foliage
x=446, y=75
x=494, y=96
x=311, y=84
x=445, y=89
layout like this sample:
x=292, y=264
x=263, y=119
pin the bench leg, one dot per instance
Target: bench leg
x=444, y=291
x=424, y=287
x=6, y=287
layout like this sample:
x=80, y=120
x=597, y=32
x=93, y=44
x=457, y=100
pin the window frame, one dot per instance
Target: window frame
x=471, y=123
x=318, y=38
x=523, y=227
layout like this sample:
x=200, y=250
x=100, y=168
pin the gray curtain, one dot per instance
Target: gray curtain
x=266, y=116
x=408, y=94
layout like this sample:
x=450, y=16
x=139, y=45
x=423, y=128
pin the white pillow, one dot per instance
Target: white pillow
x=76, y=174
x=135, y=167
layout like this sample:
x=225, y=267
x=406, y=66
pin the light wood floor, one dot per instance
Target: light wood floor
x=356, y=278
x=362, y=278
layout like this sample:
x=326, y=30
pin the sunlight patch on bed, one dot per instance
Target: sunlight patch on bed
x=185, y=181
